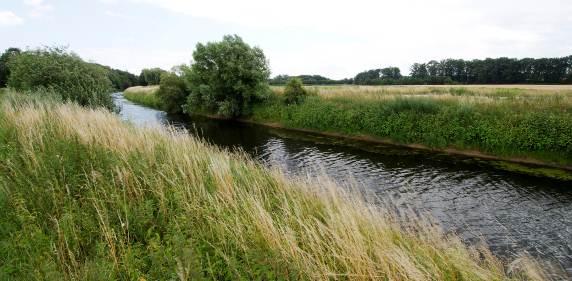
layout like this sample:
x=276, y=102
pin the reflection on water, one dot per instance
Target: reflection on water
x=511, y=212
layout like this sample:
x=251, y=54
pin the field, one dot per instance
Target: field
x=536, y=97
x=520, y=122
x=84, y=196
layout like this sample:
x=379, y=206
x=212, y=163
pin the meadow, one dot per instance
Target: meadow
x=85, y=196
x=519, y=122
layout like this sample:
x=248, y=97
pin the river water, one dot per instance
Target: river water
x=512, y=212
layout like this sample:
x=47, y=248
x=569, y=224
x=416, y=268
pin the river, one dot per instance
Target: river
x=512, y=212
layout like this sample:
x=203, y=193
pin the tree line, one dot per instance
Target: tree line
x=308, y=80
x=488, y=71
x=120, y=79
x=228, y=77
x=457, y=71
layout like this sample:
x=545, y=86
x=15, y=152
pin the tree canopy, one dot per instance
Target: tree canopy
x=308, y=80
x=4, y=69
x=57, y=71
x=173, y=91
x=121, y=80
x=151, y=76
x=227, y=77
x=488, y=71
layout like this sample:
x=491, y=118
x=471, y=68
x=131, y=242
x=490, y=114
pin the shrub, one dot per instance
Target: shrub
x=227, y=78
x=294, y=92
x=4, y=59
x=172, y=92
x=56, y=70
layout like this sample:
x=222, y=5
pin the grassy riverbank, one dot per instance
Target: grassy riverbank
x=144, y=95
x=84, y=196
x=527, y=123
x=507, y=122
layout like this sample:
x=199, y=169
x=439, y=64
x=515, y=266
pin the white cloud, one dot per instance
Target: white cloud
x=9, y=18
x=135, y=59
x=374, y=33
x=115, y=14
x=38, y=7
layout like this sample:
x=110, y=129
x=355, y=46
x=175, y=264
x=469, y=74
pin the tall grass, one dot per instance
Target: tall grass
x=526, y=123
x=531, y=122
x=146, y=96
x=84, y=196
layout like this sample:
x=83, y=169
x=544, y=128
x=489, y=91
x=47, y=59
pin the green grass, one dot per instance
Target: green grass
x=532, y=122
x=502, y=122
x=84, y=196
x=146, y=96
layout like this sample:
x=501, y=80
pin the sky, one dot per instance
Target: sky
x=333, y=38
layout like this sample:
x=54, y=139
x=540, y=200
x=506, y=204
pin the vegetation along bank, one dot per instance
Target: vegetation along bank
x=85, y=196
x=517, y=123
x=531, y=124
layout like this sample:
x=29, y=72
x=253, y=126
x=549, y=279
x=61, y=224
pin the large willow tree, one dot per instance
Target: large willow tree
x=227, y=77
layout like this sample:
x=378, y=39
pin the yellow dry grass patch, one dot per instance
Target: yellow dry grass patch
x=142, y=89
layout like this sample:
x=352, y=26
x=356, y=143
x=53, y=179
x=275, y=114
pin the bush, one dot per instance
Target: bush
x=4, y=59
x=294, y=92
x=55, y=70
x=172, y=92
x=227, y=78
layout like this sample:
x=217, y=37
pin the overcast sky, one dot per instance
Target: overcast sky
x=333, y=38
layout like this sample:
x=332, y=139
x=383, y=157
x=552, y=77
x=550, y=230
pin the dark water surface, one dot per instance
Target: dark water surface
x=512, y=212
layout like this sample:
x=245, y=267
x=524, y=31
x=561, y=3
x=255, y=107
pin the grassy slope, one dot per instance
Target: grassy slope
x=146, y=96
x=84, y=196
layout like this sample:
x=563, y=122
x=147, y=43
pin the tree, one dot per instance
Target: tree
x=433, y=68
x=151, y=76
x=369, y=77
x=294, y=92
x=419, y=70
x=172, y=92
x=308, y=80
x=4, y=60
x=120, y=79
x=391, y=73
x=227, y=77
x=496, y=71
x=56, y=71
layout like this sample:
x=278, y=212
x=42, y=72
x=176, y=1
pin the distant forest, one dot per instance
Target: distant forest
x=458, y=71
x=309, y=80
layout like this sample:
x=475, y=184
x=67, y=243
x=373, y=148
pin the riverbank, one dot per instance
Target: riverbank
x=144, y=95
x=523, y=126
x=119, y=202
